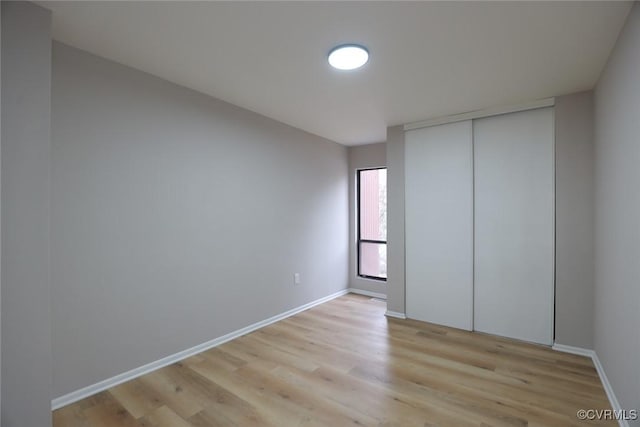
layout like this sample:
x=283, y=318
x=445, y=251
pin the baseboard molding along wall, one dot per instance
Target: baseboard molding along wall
x=615, y=405
x=395, y=314
x=368, y=293
x=84, y=392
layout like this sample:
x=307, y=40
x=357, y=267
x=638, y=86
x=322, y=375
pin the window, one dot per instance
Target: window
x=372, y=223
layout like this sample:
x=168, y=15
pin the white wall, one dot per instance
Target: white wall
x=362, y=157
x=617, y=216
x=177, y=218
x=574, y=220
x=26, y=317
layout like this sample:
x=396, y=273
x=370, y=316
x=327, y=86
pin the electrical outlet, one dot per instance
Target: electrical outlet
x=296, y=278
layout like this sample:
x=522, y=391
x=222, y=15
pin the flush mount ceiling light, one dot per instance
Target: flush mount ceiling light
x=348, y=57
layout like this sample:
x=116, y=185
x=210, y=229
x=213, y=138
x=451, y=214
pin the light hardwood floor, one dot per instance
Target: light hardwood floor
x=344, y=363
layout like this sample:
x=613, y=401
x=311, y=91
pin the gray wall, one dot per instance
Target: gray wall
x=26, y=328
x=362, y=157
x=574, y=220
x=395, y=220
x=617, y=216
x=177, y=218
x=0, y=221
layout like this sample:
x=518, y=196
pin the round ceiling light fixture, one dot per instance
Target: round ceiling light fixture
x=348, y=57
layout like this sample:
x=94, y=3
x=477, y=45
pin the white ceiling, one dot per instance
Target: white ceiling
x=428, y=59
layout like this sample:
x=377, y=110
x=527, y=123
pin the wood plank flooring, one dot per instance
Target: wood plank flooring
x=344, y=363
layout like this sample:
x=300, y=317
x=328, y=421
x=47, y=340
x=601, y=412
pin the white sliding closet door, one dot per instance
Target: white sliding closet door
x=439, y=224
x=514, y=225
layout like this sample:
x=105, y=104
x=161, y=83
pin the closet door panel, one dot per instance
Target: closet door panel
x=439, y=224
x=514, y=225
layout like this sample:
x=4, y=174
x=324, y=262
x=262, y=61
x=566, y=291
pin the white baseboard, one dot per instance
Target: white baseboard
x=615, y=405
x=84, y=392
x=395, y=314
x=573, y=350
x=368, y=293
x=608, y=389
